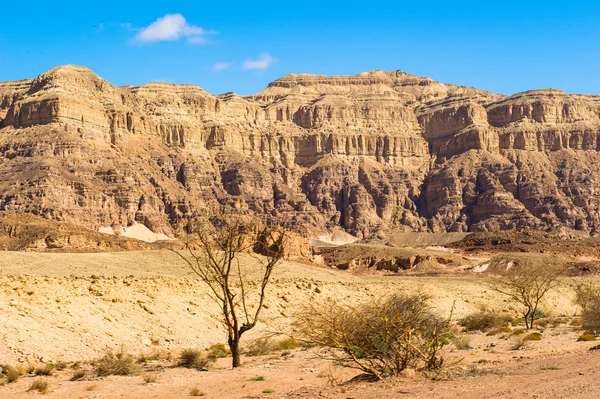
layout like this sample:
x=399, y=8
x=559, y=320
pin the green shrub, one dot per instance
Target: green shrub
x=257, y=378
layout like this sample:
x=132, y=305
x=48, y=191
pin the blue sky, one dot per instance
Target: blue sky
x=505, y=47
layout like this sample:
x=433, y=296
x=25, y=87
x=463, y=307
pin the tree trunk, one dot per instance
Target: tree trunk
x=234, y=346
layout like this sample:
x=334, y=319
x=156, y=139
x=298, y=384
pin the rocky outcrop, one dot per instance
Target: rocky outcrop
x=370, y=152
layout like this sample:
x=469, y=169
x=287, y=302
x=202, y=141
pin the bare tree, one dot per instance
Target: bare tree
x=527, y=281
x=215, y=254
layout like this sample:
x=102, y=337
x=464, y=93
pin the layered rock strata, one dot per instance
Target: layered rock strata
x=378, y=150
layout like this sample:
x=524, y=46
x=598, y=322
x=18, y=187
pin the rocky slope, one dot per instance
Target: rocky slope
x=370, y=152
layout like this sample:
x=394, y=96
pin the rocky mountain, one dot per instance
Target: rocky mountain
x=370, y=152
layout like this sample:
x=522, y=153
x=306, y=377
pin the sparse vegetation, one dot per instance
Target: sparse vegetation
x=78, y=375
x=586, y=337
x=462, y=342
x=381, y=338
x=214, y=257
x=150, y=378
x=257, y=378
x=44, y=370
x=12, y=373
x=218, y=351
x=39, y=385
x=116, y=363
x=587, y=297
x=482, y=321
x=527, y=281
x=268, y=390
x=194, y=359
x=196, y=392
x=534, y=336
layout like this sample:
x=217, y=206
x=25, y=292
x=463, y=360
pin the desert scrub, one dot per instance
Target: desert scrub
x=194, y=359
x=380, y=337
x=78, y=375
x=46, y=370
x=462, y=342
x=12, y=373
x=265, y=345
x=534, y=336
x=257, y=378
x=496, y=331
x=39, y=385
x=119, y=363
x=218, y=351
x=482, y=321
x=150, y=378
x=196, y=392
x=586, y=337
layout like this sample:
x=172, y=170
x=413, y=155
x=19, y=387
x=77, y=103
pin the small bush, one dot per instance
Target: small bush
x=78, y=375
x=44, y=370
x=591, y=317
x=288, y=344
x=196, y=392
x=500, y=330
x=518, y=331
x=90, y=388
x=586, y=338
x=119, y=363
x=257, y=378
x=194, y=359
x=39, y=385
x=60, y=365
x=462, y=342
x=12, y=373
x=150, y=378
x=218, y=351
x=534, y=336
x=268, y=390
x=260, y=347
x=481, y=321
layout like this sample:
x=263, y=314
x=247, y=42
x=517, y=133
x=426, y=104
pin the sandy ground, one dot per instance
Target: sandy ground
x=73, y=307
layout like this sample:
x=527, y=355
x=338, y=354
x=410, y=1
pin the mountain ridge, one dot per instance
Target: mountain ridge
x=367, y=153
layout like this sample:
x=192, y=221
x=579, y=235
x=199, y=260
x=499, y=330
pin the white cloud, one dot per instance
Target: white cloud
x=171, y=27
x=263, y=62
x=220, y=66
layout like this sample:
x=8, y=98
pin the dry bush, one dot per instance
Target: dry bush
x=587, y=296
x=196, y=392
x=382, y=337
x=586, y=338
x=482, y=321
x=591, y=317
x=586, y=293
x=194, y=359
x=78, y=375
x=150, y=378
x=12, y=373
x=39, y=385
x=534, y=336
x=119, y=363
x=218, y=351
x=462, y=342
x=46, y=370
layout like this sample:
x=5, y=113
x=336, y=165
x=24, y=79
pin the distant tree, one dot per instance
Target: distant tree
x=527, y=282
x=215, y=254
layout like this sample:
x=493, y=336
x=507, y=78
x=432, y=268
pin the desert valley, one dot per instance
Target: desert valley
x=387, y=187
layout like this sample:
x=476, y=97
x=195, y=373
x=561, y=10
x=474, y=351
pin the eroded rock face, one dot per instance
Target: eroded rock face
x=374, y=151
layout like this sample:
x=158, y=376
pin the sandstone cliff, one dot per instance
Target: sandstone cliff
x=379, y=150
